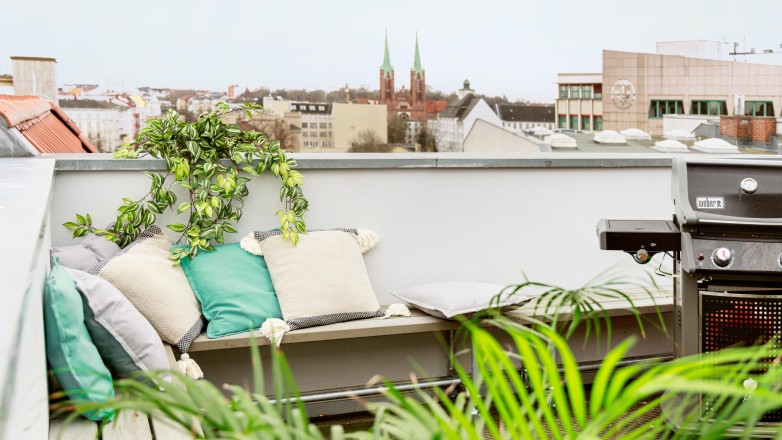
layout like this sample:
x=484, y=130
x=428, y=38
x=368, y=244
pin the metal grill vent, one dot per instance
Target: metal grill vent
x=734, y=320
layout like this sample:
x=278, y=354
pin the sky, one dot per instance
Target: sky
x=511, y=48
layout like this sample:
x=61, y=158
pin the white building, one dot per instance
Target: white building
x=106, y=125
x=520, y=118
x=317, y=124
x=455, y=122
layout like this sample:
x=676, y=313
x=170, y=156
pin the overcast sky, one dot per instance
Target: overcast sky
x=512, y=48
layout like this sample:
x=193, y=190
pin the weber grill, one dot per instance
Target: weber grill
x=726, y=242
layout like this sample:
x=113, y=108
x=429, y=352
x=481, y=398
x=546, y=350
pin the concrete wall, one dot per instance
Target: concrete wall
x=439, y=216
x=352, y=119
x=488, y=138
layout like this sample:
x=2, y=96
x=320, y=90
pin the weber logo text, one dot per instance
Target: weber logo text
x=710, y=203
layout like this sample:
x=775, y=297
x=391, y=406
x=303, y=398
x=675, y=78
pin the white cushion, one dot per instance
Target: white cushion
x=450, y=298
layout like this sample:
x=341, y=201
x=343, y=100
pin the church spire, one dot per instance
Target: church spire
x=417, y=61
x=387, y=68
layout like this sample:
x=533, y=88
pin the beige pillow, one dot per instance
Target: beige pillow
x=322, y=280
x=156, y=286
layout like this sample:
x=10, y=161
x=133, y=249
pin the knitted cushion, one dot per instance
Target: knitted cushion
x=156, y=286
x=322, y=280
x=125, y=340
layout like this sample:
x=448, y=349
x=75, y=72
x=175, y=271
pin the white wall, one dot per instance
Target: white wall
x=467, y=222
x=685, y=122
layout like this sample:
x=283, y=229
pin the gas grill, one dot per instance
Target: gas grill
x=726, y=244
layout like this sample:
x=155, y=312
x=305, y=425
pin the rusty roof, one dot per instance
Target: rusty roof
x=43, y=124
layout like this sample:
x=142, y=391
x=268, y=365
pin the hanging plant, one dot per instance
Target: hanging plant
x=205, y=158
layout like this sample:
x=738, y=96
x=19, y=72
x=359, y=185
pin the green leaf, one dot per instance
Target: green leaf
x=80, y=218
x=70, y=225
x=176, y=227
x=183, y=207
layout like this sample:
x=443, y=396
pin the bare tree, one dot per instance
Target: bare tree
x=367, y=141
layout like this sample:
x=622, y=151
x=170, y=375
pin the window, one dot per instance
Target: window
x=562, y=92
x=574, y=122
x=598, y=123
x=658, y=108
x=322, y=108
x=303, y=125
x=585, y=125
x=759, y=108
x=574, y=92
x=586, y=92
x=598, y=91
x=705, y=107
x=305, y=134
x=562, y=121
x=323, y=134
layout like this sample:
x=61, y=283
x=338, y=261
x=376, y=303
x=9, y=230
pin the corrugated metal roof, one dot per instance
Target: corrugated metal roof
x=43, y=124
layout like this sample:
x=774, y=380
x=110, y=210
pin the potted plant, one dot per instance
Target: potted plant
x=205, y=158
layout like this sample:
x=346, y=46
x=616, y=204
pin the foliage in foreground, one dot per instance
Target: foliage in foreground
x=533, y=391
x=204, y=158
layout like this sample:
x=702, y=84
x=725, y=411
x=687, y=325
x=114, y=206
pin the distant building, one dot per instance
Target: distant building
x=30, y=125
x=411, y=104
x=352, y=119
x=579, y=104
x=457, y=119
x=519, y=118
x=646, y=91
x=107, y=125
x=35, y=76
x=317, y=124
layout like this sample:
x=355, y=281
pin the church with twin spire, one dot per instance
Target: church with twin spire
x=408, y=103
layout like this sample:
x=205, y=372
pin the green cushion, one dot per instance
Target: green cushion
x=71, y=353
x=234, y=288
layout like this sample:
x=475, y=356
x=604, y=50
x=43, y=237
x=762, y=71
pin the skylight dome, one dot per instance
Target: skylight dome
x=636, y=134
x=715, y=146
x=609, y=137
x=560, y=140
x=670, y=146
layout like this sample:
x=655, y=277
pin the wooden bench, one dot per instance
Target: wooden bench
x=334, y=361
x=129, y=425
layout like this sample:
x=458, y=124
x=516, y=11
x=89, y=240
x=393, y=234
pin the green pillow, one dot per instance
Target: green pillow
x=71, y=353
x=234, y=288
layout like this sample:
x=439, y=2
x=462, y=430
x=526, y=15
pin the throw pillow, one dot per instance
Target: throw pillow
x=234, y=288
x=156, y=286
x=322, y=280
x=125, y=339
x=73, y=357
x=450, y=298
x=86, y=254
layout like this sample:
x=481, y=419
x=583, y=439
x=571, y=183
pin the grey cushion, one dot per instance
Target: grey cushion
x=126, y=341
x=450, y=298
x=86, y=254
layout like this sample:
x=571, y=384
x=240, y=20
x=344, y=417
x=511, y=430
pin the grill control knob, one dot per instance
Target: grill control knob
x=749, y=185
x=722, y=257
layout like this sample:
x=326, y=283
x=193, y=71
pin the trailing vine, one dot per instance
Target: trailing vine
x=205, y=158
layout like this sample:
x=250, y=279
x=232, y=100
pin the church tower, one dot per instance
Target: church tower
x=387, y=91
x=418, y=85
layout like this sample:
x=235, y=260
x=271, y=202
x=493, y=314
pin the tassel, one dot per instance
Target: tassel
x=274, y=329
x=189, y=367
x=396, y=310
x=251, y=244
x=366, y=240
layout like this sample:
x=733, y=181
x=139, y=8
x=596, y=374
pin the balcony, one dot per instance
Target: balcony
x=440, y=217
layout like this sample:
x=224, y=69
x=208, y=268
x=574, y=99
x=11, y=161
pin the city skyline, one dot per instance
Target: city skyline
x=514, y=50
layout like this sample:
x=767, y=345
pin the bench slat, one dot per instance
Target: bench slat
x=167, y=430
x=420, y=322
x=78, y=429
x=129, y=425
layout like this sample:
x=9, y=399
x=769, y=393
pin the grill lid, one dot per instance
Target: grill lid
x=727, y=191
